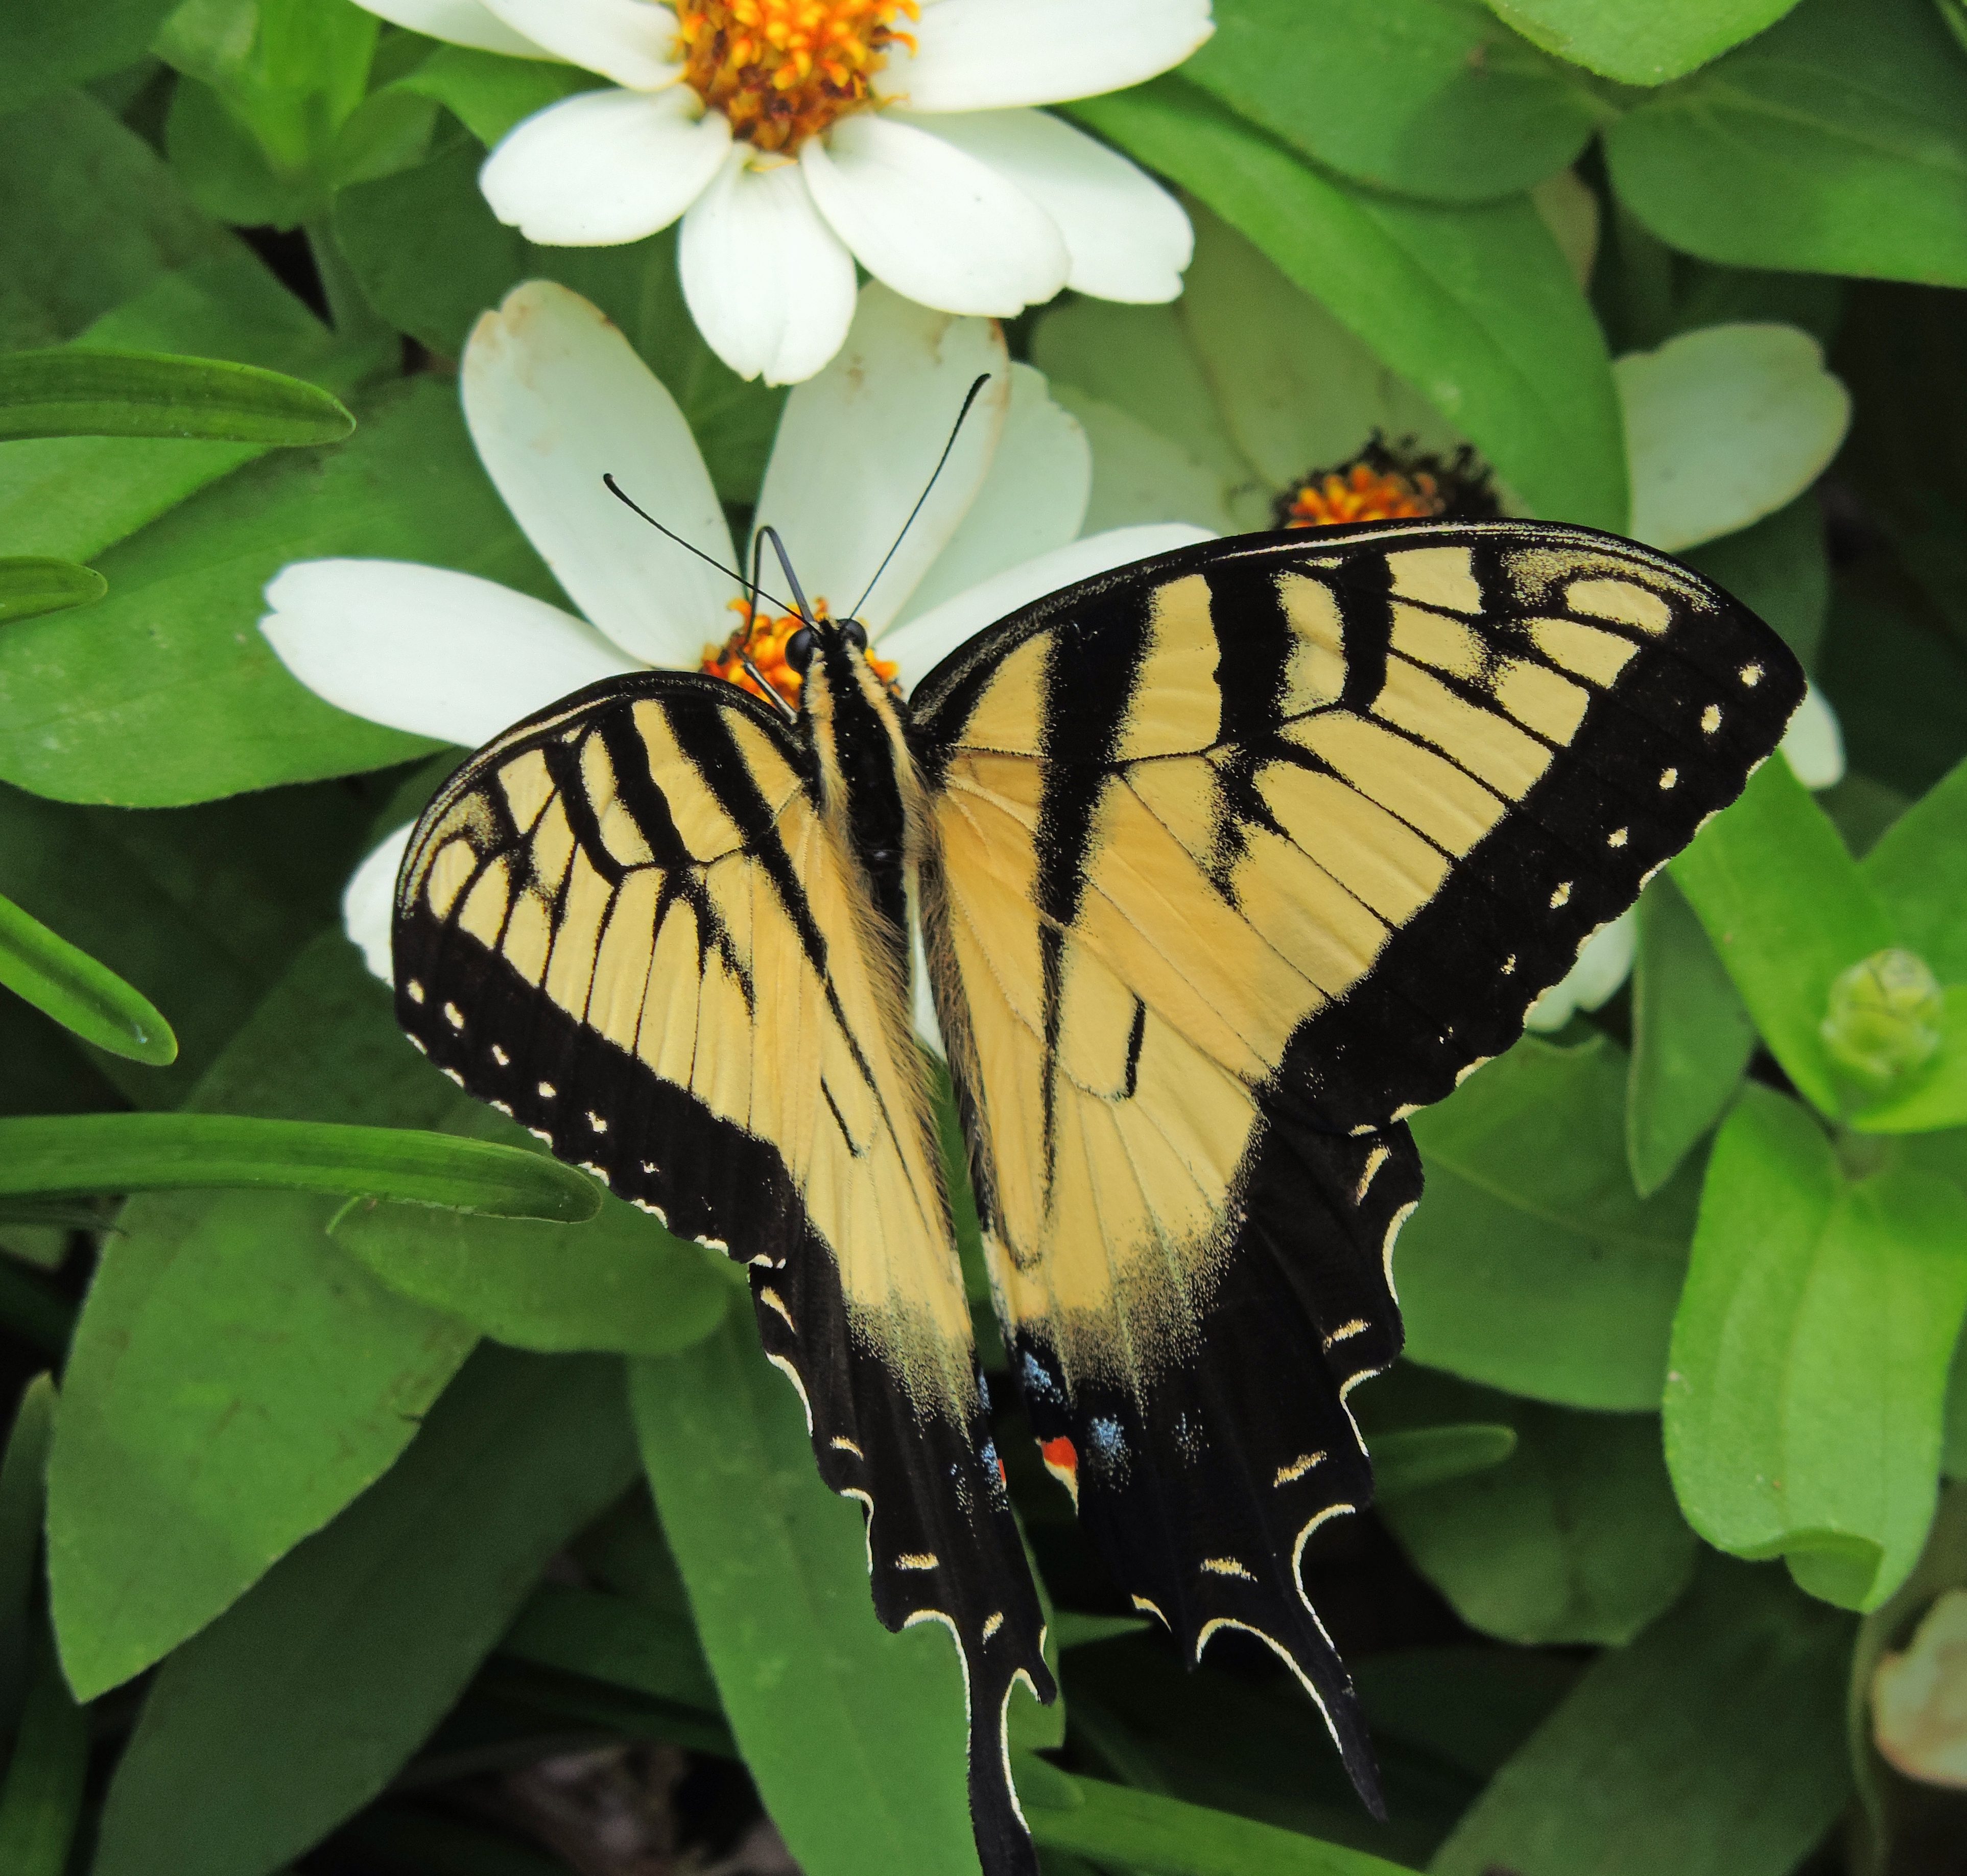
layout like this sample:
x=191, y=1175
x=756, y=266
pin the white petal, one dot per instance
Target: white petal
x=981, y=55
x=604, y=166
x=921, y=645
x=1724, y=425
x=628, y=40
x=935, y=224
x=461, y=22
x=1032, y=501
x=1603, y=964
x=369, y=902
x=857, y=444
x=556, y=397
x=768, y=283
x=437, y=653
x=927, y=1025
x=1128, y=237
x=1813, y=743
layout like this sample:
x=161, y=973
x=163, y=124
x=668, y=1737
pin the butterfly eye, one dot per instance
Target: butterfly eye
x=799, y=648
x=854, y=633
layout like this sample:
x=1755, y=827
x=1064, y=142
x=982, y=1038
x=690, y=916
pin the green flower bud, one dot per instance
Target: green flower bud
x=1885, y=1016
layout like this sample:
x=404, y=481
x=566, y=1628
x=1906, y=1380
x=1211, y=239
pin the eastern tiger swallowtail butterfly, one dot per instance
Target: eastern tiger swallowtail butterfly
x=1226, y=862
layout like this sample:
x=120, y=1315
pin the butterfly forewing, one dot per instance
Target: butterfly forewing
x=627, y=924
x=1245, y=854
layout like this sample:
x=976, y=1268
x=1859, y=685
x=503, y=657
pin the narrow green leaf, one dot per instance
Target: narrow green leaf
x=1919, y=871
x=1427, y=97
x=1411, y=1459
x=1787, y=909
x=40, y=1802
x=1842, y=134
x=73, y=392
x=1161, y=1836
x=855, y=1736
x=23, y=1496
x=1574, y=1536
x=1713, y=1746
x=1532, y=1265
x=1475, y=307
x=347, y=1654
x=128, y=1153
x=172, y=695
x=33, y=585
x=1805, y=1407
x=1640, y=45
x=1691, y=1038
x=621, y=1285
x=236, y=1379
x=88, y=998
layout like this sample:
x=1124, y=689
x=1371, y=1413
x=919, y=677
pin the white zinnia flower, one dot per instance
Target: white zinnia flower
x=555, y=398
x=796, y=137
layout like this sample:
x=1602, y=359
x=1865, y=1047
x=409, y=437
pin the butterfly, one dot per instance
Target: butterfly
x=1224, y=863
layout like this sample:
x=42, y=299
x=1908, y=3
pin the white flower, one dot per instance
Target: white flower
x=555, y=398
x=796, y=137
x=1604, y=962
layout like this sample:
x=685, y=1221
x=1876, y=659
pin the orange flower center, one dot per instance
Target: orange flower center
x=783, y=70
x=762, y=638
x=1363, y=494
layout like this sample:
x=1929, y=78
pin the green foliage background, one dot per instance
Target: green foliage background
x=1666, y=1471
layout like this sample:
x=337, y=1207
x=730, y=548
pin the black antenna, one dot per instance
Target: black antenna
x=968, y=400
x=614, y=490
x=786, y=567
x=744, y=657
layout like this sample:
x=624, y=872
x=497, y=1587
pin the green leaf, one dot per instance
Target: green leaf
x=79, y=993
x=1786, y=909
x=296, y=1708
x=1934, y=1096
x=93, y=217
x=74, y=392
x=1842, y=136
x=40, y=1802
x=1804, y=1409
x=1574, y=1537
x=45, y=44
x=1723, y=426
x=1161, y=1836
x=1531, y=1265
x=33, y=585
x=621, y=1285
x=387, y=229
x=73, y=496
x=614, y=1639
x=130, y=1152
x=1691, y=1038
x=1645, y=45
x=1919, y=871
x=235, y=1378
x=23, y=1499
x=855, y=1736
x=1778, y=569
x=172, y=695
x=1713, y=1746
x=1425, y=97
x=1475, y=307
x=209, y=906
x=489, y=92
x=1411, y=1459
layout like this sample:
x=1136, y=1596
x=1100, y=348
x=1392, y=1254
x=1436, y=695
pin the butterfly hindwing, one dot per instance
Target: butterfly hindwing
x=625, y=924
x=1245, y=854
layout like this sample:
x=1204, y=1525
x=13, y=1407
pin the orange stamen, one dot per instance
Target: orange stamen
x=763, y=637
